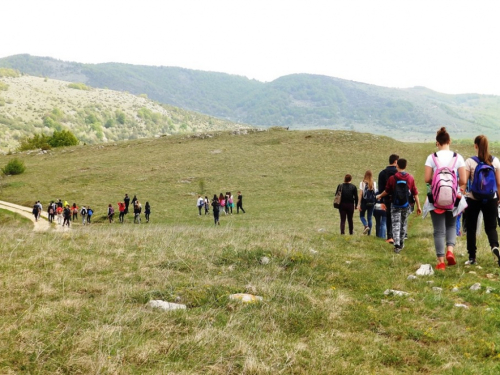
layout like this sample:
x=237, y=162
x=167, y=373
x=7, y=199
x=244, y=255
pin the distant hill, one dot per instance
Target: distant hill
x=298, y=101
x=31, y=105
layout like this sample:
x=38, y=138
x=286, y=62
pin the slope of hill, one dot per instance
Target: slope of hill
x=32, y=104
x=74, y=302
x=299, y=101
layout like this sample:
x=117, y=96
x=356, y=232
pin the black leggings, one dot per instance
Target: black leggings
x=490, y=213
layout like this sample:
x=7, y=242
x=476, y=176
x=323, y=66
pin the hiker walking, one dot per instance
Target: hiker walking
x=137, y=212
x=398, y=187
x=111, y=212
x=239, y=203
x=36, y=211
x=74, y=211
x=445, y=171
x=51, y=211
x=121, y=208
x=380, y=215
x=383, y=177
x=126, y=200
x=200, y=203
x=83, y=213
x=59, y=212
x=348, y=203
x=216, y=209
x=147, y=211
x=90, y=212
x=206, y=202
x=222, y=203
x=66, y=215
x=367, y=193
x=483, y=171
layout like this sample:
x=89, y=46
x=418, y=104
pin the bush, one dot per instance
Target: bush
x=79, y=86
x=13, y=167
x=63, y=138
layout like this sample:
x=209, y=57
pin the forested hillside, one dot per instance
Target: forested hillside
x=298, y=101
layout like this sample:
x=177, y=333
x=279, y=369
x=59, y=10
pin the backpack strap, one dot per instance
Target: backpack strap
x=454, y=160
x=435, y=159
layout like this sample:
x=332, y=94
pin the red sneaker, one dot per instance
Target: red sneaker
x=450, y=258
x=441, y=266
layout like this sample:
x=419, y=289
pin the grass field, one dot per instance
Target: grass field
x=74, y=302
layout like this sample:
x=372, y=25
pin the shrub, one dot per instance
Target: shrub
x=13, y=167
x=4, y=86
x=63, y=138
x=79, y=86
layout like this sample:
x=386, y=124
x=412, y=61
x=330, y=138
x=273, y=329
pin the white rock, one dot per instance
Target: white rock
x=321, y=230
x=411, y=277
x=476, y=286
x=396, y=292
x=489, y=289
x=167, y=306
x=425, y=270
x=312, y=251
x=347, y=262
x=245, y=297
x=473, y=273
x=264, y=260
x=455, y=289
x=479, y=267
x=437, y=289
x=490, y=276
x=430, y=282
x=461, y=305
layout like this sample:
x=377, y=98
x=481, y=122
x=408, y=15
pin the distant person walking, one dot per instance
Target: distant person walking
x=137, y=212
x=200, y=203
x=111, y=212
x=367, y=194
x=239, y=203
x=90, y=212
x=36, y=211
x=222, y=203
x=126, y=200
x=52, y=211
x=206, y=202
x=74, y=211
x=216, y=209
x=380, y=216
x=121, y=209
x=83, y=213
x=147, y=211
x=66, y=215
x=483, y=171
x=59, y=212
x=348, y=203
x=443, y=219
x=383, y=177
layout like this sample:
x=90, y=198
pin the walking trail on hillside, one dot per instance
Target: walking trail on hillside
x=41, y=225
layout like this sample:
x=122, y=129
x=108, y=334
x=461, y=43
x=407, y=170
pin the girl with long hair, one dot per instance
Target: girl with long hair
x=476, y=203
x=367, y=194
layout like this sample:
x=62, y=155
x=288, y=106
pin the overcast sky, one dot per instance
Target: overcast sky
x=448, y=46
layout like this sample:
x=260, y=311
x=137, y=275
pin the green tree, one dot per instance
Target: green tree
x=63, y=138
x=13, y=167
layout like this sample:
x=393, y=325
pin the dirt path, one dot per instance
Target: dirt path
x=39, y=226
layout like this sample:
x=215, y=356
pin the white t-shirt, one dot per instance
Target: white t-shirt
x=445, y=157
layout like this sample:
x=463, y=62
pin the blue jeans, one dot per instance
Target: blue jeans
x=369, y=214
x=380, y=223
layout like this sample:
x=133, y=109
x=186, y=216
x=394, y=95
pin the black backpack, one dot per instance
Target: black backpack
x=369, y=196
x=401, y=194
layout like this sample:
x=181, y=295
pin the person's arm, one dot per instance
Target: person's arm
x=360, y=195
x=355, y=196
x=428, y=174
x=463, y=176
x=417, y=203
x=497, y=175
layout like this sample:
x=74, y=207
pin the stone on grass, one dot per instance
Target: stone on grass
x=425, y=270
x=489, y=289
x=437, y=289
x=476, y=286
x=411, y=277
x=264, y=260
x=461, y=305
x=312, y=251
x=245, y=297
x=167, y=306
x=455, y=289
x=396, y=292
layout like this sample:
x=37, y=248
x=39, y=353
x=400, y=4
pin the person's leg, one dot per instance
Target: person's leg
x=473, y=208
x=396, y=226
x=388, y=219
x=343, y=216
x=451, y=236
x=383, y=225
x=490, y=212
x=439, y=232
x=405, y=214
x=369, y=215
x=376, y=214
x=350, y=215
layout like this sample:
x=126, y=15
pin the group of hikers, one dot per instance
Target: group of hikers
x=455, y=188
x=66, y=213
x=223, y=203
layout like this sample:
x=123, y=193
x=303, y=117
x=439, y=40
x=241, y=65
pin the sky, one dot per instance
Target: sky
x=448, y=46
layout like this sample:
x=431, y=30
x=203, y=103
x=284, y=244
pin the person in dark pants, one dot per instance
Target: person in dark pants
x=215, y=209
x=383, y=177
x=239, y=203
x=126, y=200
x=348, y=203
x=489, y=207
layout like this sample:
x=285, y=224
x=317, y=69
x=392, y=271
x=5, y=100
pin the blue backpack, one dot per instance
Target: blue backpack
x=484, y=184
x=369, y=196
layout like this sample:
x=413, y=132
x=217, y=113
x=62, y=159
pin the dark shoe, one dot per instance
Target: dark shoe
x=496, y=253
x=397, y=249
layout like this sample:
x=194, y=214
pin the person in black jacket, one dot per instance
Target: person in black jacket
x=383, y=177
x=348, y=203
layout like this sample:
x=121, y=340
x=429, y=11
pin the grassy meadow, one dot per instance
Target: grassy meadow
x=74, y=302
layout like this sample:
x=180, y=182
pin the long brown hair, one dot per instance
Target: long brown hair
x=368, y=179
x=483, y=151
